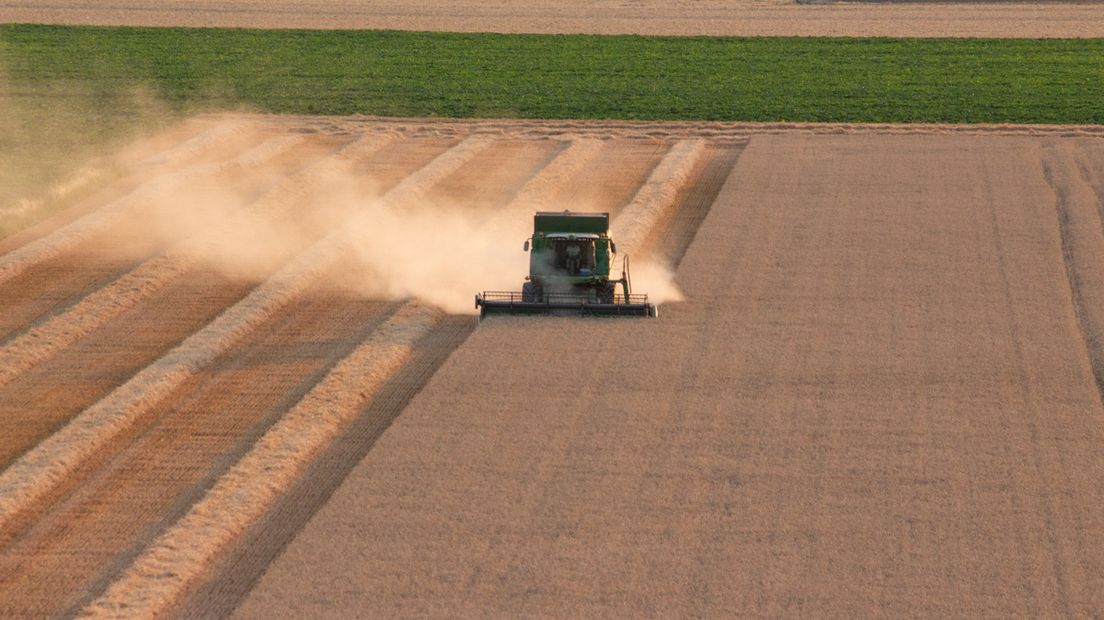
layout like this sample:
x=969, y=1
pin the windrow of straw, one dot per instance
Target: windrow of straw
x=35, y=474
x=241, y=496
x=65, y=328
x=182, y=554
x=656, y=197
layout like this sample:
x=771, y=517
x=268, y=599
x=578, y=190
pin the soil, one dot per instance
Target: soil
x=677, y=17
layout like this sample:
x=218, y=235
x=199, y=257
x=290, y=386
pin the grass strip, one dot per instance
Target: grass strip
x=570, y=76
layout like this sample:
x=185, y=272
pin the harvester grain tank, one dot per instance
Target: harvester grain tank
x=570, y=259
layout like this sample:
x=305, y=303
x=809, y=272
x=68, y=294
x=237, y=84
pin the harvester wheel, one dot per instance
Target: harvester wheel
x=605, y=293
x=530, y=292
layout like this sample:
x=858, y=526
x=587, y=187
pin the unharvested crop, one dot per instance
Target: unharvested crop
x=876, y=400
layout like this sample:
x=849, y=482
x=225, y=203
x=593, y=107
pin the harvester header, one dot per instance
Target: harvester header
x=545, y=222
x=570, y=256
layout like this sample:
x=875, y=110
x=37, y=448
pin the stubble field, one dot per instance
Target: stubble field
x=878, y=399
x=880, y=393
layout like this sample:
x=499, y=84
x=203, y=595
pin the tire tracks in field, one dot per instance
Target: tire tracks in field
x=102, y=219
x=36, y=344
x=1081, y=231
x=265, y=473
x=1070, y=229
x=35, y=474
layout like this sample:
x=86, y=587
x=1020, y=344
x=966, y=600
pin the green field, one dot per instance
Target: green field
x=574, y=76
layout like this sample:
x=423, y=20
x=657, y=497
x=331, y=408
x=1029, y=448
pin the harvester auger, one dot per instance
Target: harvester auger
x=570, y=255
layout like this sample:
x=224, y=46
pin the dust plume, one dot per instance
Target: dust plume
x=56, y=137
x=248, y=203
x=657, y=280
x=441, y=253
x=438, y=254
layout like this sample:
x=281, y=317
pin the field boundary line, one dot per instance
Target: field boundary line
x=652, y=201
x=19, y=260
x=35, y=474
x=665, y=129
x=1081, y=233
x=36, y=344
x=162, y=573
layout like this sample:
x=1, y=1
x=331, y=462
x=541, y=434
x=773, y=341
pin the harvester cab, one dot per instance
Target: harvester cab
x=570, y=259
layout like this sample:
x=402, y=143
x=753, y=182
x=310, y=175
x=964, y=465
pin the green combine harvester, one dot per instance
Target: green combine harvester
x=570, y=255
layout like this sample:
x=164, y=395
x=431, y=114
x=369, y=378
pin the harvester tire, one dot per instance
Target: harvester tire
x=605, y=293
x=530, y=292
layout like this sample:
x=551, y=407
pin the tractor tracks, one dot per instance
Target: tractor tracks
x=1079, y=207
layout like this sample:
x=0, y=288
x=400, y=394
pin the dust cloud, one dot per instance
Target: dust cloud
x=438, y=252
x=246, y=205
x=441, y=255
x=57, y=137
x=657, y=280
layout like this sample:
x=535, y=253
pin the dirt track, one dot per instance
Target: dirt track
x=679, y=17
x=894, y=410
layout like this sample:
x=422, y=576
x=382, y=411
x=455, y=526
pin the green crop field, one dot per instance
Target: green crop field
x=574, y=76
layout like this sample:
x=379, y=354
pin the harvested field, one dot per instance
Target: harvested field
x=877, y=399
x=210, y=346
x=681, y=17
x=880, y=396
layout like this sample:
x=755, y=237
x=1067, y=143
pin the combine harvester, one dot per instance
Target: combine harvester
x=570, y=256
